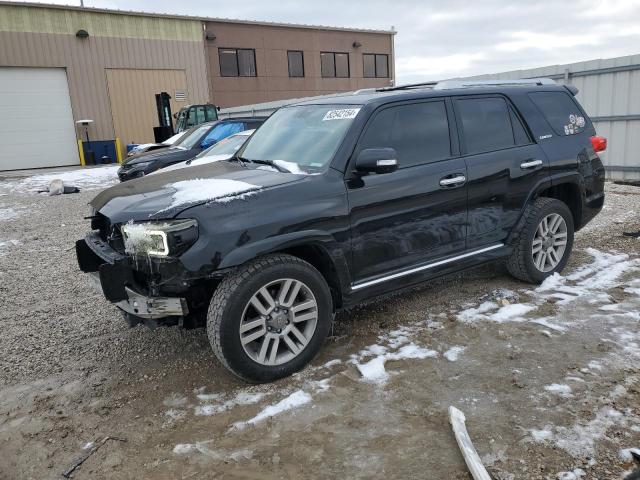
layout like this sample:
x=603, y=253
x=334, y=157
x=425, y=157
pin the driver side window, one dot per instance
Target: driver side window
x=418, y=132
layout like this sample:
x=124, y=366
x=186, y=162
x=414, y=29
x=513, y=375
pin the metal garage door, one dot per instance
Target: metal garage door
x=36, y=123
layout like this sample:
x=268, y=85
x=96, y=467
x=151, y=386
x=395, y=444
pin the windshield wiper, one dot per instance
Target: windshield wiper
x=238, y=159
x=271, y=163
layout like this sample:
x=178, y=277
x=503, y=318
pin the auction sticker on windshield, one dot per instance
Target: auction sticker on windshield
x=341, y=114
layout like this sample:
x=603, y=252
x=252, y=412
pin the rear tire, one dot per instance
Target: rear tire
x=543, y=245
x=269, y=318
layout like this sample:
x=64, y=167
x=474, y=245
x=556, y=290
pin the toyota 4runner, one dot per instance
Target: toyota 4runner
x=337, y=200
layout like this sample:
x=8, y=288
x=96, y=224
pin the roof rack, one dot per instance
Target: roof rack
x=407, y=86
x=449, y=84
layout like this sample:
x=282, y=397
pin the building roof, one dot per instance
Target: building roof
x=190, y=17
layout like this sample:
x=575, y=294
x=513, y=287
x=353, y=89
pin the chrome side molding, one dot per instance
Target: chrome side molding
x=376, y=281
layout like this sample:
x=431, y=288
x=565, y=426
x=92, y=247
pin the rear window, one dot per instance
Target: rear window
x=561, y=112
x=486, y=123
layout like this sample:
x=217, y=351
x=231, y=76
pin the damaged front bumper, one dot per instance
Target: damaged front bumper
x=145, y=307
x=110, y=272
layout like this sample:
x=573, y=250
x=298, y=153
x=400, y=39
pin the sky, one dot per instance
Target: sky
x=446, y=39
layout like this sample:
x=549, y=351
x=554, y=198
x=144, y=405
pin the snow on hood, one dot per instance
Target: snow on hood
x=199, y=190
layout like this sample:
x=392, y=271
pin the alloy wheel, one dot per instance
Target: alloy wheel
x=549, y=242
x=278, y=322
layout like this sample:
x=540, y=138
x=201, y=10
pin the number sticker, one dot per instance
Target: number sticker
x=342, y=114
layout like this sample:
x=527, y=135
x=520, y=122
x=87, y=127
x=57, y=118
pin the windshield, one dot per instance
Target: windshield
x=227, y=146
x=191, y=137
x=307, y=135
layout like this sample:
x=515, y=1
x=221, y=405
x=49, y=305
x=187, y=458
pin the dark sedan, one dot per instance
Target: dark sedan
x=187, y=147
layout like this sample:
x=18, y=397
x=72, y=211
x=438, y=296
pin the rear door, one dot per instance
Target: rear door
x=503, y=165
x=418, y=212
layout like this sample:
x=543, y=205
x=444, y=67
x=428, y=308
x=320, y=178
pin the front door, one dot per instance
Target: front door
x=418, y=212
x=503, y=166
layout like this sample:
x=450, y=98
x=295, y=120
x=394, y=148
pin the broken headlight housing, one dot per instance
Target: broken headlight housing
x=166, y=238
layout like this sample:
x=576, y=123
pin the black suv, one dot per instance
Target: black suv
x=187, y=147
x=336, y=200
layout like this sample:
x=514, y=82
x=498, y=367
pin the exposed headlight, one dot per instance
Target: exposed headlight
x=159, y=239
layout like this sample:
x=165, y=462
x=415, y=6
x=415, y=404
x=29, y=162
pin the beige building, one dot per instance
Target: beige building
x=60, y=65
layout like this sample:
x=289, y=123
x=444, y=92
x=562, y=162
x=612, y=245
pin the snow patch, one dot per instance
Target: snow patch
x=295, y=400
x=87, y=178
x=559, y=389
x=453, y=353
x=511, y=313
x=373, y=371
x=219, y=190
x=573, y=475
x=8, y=213
x=7, y=244
x=626, y=454
x=241, y=398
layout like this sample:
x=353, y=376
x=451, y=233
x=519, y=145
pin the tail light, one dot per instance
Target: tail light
x=599, y=143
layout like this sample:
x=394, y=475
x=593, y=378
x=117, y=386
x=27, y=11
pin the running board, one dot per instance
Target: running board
x=376, y=281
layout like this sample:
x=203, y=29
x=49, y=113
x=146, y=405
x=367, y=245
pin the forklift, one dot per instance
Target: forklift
x=187, y=117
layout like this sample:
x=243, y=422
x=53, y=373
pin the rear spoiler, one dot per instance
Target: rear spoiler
x=573, y=90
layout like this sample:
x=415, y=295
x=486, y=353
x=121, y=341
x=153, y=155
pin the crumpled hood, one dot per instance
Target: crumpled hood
x=165, y=194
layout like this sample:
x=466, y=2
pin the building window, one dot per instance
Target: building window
x=237, y=62
x=334, y=64
x=296, y=63
x=376, y=65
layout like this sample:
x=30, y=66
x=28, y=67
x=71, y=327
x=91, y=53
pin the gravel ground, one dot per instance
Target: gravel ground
x=71, y=372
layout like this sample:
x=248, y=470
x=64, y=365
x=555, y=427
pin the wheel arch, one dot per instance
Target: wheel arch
x=569, y=191
x=317, y=248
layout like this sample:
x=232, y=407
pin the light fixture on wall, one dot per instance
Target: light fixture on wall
x=357, y=44
x=82, y=34
x=210, y=36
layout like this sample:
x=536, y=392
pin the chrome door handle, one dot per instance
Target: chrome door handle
x=448, y=182
x=530, y=164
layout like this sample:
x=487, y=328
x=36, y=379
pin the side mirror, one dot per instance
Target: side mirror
x=377, y=160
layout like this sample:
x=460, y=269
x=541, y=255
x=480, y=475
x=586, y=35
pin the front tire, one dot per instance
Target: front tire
x=543, y=245
x=269, y=318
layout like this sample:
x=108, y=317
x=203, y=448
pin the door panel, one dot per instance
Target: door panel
x=498, y=188
x=503, y=166
x=406, y=217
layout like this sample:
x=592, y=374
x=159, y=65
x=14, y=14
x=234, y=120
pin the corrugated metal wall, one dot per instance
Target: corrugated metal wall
x=45, y=37
x=610, y=93
x=132, y=94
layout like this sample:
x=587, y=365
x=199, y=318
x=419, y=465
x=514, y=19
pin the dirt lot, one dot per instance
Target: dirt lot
x=548, y=378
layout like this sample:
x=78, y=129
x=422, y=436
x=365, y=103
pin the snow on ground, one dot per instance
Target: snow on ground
x=295, y=400
x=8, y=213
x=394, y=346
x=241, y=398
x=219, y=455
x=453, y=353
x=5, y=245
x=626, y=454
x=559, y=389
x=220, y=190
x=87, y=178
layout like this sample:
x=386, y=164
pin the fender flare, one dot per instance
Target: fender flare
x=551, y=181
x=316, y=238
